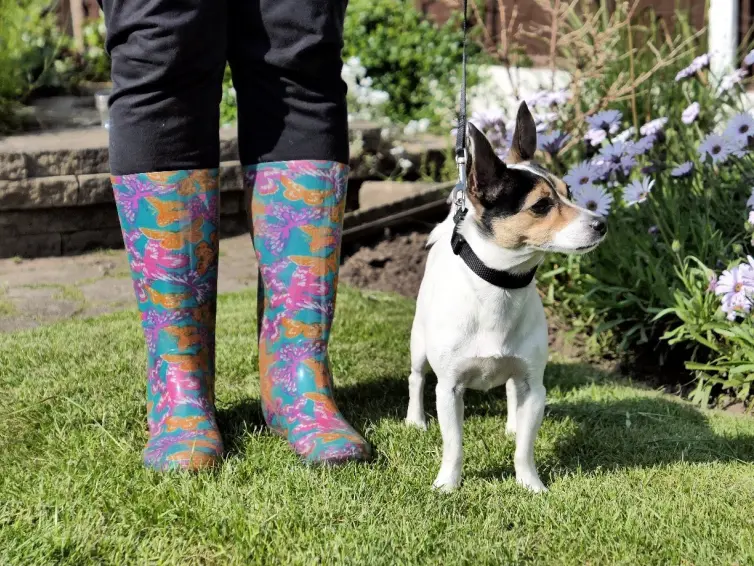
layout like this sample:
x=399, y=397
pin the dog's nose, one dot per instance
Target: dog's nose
x=599, y=225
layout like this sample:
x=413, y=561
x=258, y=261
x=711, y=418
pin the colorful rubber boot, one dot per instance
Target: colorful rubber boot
x=169, y=222
x=297, y=218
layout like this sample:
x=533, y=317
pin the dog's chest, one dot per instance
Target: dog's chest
x=481, y=339
x=485, y=373
x=490, y=358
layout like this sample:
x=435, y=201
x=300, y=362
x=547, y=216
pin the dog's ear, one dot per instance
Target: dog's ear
x=524, y=137
x=485, y=166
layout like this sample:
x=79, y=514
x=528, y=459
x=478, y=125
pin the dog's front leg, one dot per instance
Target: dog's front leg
x=530, y=397
x=450, y=415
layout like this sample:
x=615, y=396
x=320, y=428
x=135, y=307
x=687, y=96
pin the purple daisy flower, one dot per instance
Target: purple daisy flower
x=652, y=168
x=561, y=96
x=736, y=287
x=683, y=170
x=626, y=134
x=653, y=127
x=734, y=78
x=740, y=127
x=548, y=98
x=552, y=142
x=595, y=136
x=638, y=191
x=627, y=162
x=580, y=175
x=492, y=123
x=749, y=59
x=690, y=114
x=642, y=146
x=750, y=202
x=504, y=145
x=538, y=98
x=612, y=152
x=751, y=217
x=618, y=157
x=558, y=97
x=717, y=147
x=607, y=120
x=482, y=118
x=601, y=168
x=593, y=198
x=544, y=119
x=696, y=65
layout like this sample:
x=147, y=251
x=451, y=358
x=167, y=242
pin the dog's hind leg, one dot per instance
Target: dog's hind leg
x=530, y=397
x=450, y=415
x=415, y=414
x=510, y=397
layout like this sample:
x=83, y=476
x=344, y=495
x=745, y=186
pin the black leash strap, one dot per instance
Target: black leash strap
x=461, y=154
x=461, y=134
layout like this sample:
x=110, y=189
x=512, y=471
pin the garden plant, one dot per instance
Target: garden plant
x=669, y=159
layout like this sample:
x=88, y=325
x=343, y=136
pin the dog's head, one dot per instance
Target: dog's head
x=521, y=205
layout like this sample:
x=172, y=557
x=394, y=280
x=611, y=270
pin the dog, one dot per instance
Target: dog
x=479, y=320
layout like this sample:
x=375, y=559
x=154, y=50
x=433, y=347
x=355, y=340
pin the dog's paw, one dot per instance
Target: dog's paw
x=533, y=484
x=418, y=422
x=446, y=485
x=510, y=431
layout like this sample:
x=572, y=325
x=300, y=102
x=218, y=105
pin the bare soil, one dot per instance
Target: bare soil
x=393, y=265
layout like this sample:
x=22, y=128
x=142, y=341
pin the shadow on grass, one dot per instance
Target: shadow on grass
x=238, y=422
x=643, y=432
x=604, y=434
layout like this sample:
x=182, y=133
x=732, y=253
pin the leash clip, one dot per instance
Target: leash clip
x=460, y=190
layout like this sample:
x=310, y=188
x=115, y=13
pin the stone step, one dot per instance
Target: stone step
x=413, y=202
x=56, y=197
x=84, y=190
x=378, y=193
x=85, y=151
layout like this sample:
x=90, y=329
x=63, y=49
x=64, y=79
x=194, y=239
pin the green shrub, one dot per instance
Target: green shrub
x=414, y=61
x=228, y=104
x=24, y=53
x=661, y=253
x=73, y=67
x=36, y=57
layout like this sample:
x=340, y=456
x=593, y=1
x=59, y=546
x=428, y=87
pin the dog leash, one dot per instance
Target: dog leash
x=461, y=247
x=461, y=153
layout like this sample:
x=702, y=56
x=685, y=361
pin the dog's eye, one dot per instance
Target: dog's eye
x=542, y=206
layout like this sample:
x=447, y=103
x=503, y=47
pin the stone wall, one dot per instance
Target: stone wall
x=56, y=198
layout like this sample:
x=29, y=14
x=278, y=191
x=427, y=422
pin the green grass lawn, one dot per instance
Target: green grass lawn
x=634, y=477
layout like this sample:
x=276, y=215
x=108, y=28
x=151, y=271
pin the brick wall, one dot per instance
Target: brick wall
x=529, y=11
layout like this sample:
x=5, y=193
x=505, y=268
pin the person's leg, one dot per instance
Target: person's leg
x=293, y=139
x=167, y=64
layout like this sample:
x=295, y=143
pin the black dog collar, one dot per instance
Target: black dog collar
x=496, y=277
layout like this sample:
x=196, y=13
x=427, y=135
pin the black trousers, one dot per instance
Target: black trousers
x=168, y=59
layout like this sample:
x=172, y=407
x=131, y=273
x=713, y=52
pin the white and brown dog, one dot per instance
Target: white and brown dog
x=479, y=320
